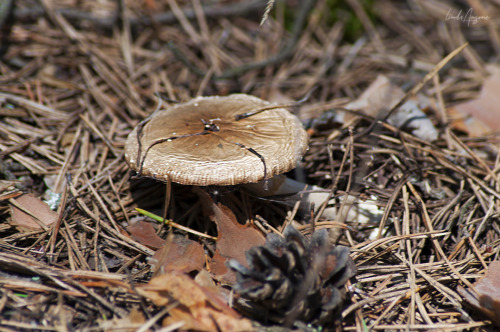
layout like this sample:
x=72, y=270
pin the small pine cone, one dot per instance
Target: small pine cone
x=293, y=278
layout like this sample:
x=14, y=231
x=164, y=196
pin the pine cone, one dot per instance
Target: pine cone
x=293, y=278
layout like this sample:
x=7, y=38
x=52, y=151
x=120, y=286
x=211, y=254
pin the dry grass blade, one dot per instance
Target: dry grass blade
x=269, y=7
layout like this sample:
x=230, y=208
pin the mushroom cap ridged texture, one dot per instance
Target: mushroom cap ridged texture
x=202, y=143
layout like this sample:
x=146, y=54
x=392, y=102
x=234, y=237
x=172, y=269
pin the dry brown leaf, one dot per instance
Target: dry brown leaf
x=488, y=289
x=382, y=95
x=484, y=112
x=204, y=278
x=219, y=269
x=233, y=240
x=144, y=233
x=29, y=213
x=179, y=253
x=466, y=123
x=199, y=308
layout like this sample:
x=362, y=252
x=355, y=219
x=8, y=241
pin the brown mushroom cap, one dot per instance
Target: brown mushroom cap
x=176, y=145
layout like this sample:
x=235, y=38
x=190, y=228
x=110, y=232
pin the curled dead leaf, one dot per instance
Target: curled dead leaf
x=198, y=307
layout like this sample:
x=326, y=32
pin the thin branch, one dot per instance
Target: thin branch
x=243, y=8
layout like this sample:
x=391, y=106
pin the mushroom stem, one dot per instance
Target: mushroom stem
x=351, y=210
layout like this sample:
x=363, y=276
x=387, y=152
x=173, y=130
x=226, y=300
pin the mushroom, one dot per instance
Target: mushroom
x=238, y=139
x=217, y=141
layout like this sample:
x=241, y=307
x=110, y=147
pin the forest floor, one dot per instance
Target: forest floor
x=77, y=76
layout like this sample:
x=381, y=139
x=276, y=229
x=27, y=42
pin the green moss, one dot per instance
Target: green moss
x=289, y=14
x=339, y=10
